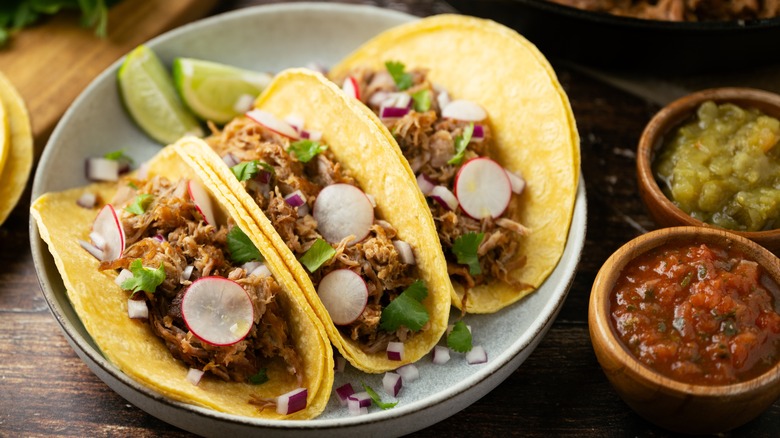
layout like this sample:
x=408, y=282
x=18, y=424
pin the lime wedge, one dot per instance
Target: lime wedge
x=214, y=91
x=150, y=96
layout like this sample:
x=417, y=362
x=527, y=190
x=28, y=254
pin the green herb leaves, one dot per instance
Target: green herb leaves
x=23, y=13
x=402, y=79
x=406, y=309
x=319, y=253
x=140, y=204
x=241, y=248
x=459, y=338
x=305, y=150
x=259, y=378
x=465, y=249
x=461, y=142
x=144, y=279
x=376, y=399
x=422, y=100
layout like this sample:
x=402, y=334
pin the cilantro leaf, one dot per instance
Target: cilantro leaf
x=119, y=156
x=246, y=170
x=144, y=279
x=259, y=378
x=461, y=142
x=422, y=100
x=406, y=309
x=465, y=249
x=402, y=79
x=376, y=399
x=241, y=248
x=140, y=203
x=16, y=15
x=459, y=338
x=319, y=253
x=305, y=150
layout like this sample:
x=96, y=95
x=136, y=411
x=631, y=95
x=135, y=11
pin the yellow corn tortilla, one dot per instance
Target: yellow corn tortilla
x=132, y=346
x=18, y=150
x=359, y=147
x=530, y=117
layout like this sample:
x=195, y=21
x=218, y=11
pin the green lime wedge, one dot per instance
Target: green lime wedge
x=214, y=91
x=150, y=97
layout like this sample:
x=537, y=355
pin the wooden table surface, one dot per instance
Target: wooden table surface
x=46, y=390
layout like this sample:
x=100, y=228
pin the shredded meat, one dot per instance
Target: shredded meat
x=374, y=258
x=682, y=10
x=171, y=233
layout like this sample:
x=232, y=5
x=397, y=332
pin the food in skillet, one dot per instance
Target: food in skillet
x=487, y=129
x=681, y=10
x=181, y=293
x=322, y=181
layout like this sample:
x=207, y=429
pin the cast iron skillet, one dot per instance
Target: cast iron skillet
x=631, y=44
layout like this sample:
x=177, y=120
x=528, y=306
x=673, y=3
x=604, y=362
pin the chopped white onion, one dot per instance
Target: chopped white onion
x=136, y=309
x=250, y=266
x=395, y=351
x=425, y=184
x=464, y=110
x=87, y=200
x=194, y=375
x=303, y=210
x=187, y=272
x=392, y=383
x=404, y=252
x=295, y=120
x=443, y=98
x=441, y=355
x=312, y=135
x=244, y=103
x=343, y=392
x=292, y=401
x=261, y=271
x=444, y=197
x=102, y=169
x=92, y=249
x=123, y=276
x=409, y=373
x=378, y=98
x=516, y=181
x=477, y=355
x=398, y=100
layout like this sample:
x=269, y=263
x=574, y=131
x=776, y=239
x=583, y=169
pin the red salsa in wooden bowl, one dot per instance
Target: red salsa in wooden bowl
x=698, y=313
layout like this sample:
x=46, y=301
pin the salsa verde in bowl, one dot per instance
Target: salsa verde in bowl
x=712, y=158
x=685, y=323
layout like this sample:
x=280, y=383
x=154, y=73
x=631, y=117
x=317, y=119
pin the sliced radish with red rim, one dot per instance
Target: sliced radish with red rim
x=217, y=310
x=483, y=188
x=202, y=201
x=343, y=210
x=351, y=87
x=344, y=294
x=464, y=110
x=108, y=228
x=270, y=121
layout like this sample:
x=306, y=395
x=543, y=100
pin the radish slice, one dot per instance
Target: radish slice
x=136, y=309
x=343, y=210
x=343, y=392
x=102, y=169
x=351, y=87
x=517, y=181
x=296, y=121
x=108, y=227
x=395, y=350
x=404, y=252
x=483, y=188
x=92, y=249
x=441, y=355
x=271, y=122
x=464, y=110
x=202, y=201
x=477, y=355
x=292, y=401
x=444, y=197
x=217, y=310
x=409, y=373
x=311, y=135
x=392, y=383
x=344, y=295
x=194, y=375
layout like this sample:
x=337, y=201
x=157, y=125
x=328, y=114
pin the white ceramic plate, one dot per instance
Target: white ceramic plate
x=270, y=38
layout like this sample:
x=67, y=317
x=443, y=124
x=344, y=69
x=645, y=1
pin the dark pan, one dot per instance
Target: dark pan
x=623, y=43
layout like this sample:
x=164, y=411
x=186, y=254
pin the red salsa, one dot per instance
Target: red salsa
x=698, y=314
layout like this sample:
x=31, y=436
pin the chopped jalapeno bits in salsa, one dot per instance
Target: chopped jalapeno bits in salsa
x=699, y=314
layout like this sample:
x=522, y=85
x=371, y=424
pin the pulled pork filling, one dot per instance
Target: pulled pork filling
x=428, y=142
x=374, y=258
x=171, y=232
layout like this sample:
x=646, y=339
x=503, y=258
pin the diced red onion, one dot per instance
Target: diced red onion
x=194, y=375
x=230, y=160
x=264, y=176
x=243, y=103
x=516, y=181
x=159, y=237
x=303, y=210
x=136, y=309
x=397, y=100
x=362, y=398
x=392, y=384
x=187, y=272
x=355, y=408
x=409, y=373
x=443, y=98
x=87, y=200
x=312, y=135
x=343, y=392
x=404, y=252
x=425, y=184
x=292, y=401
x=392, y=112
x=102, y=169
x=340, y=364
x=441, y=355
x=378, y=98
x=295, y=120
x=395, y=350
x=92, y=249
x=444, y=197
x=295, y=199
x=478, y=134
x=123, y=276
x=477, y=355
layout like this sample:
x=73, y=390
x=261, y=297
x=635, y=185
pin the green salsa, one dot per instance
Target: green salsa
x=723, y=167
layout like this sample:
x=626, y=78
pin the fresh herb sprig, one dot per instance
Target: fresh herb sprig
x=18, y=14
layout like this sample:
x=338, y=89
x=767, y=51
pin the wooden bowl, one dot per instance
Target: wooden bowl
x=661, y=209
x=677, y=406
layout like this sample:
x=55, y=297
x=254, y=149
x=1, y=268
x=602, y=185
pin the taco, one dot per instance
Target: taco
x=343, y=211
x=16, y=147
x=486, y=127
x=146, y=266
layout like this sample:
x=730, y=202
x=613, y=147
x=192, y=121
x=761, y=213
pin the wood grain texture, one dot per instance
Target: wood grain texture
x=560, y=390
x=52, y=62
